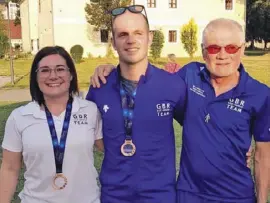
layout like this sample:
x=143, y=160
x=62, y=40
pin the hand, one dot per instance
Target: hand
x=248, y=155
x=100, y=73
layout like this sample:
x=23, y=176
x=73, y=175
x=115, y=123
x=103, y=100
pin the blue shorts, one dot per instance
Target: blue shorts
x=188, y=197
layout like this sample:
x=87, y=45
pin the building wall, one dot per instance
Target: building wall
x=25, y=23
x=165, y=18
x=45, y=23
x=63, y=22
x=33, y=21
x=71, y=27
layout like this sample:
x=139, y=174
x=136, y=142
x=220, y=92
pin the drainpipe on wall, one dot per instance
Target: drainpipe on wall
x=52, y=23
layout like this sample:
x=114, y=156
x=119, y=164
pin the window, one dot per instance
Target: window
x=104, y=36
x=151, y=3
x=172, y=3
x=228, y=4
x=172, y=35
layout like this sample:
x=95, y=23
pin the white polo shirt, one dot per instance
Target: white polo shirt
x=27, y=131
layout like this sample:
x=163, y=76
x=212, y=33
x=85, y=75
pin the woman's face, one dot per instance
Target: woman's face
x=53, y=76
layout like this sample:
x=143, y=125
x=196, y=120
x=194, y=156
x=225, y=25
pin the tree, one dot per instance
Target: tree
x=189, y=37
x=97, y=14
x=258, y=22
x=4, y=43
x=157, y=44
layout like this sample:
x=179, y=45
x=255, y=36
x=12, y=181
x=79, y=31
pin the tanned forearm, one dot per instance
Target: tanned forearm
x=262, y=175
x=8, y=183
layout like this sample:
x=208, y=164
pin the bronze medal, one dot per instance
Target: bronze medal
x=128, y=148
x=59, y=181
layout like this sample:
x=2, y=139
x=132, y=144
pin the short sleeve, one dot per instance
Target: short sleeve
x=12, y=137
x=98, y=128
x=261, y=128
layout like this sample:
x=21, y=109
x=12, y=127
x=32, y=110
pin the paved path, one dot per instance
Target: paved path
x=15, y=95
x=4, y=80
x=18, y=95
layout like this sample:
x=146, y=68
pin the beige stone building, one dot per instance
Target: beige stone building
x=63, y=22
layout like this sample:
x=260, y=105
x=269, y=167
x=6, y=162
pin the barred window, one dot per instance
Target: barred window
x=151, y=3
x=172, y=3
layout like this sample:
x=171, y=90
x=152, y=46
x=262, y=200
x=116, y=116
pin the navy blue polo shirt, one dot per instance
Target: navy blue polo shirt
x=217, y=133
x=148, y=176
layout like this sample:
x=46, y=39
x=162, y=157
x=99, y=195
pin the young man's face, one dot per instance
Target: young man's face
x=131, y=37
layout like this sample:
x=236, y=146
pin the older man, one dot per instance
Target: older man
x=225, y=107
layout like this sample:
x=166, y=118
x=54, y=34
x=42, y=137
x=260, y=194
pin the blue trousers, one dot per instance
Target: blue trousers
x=188, y=197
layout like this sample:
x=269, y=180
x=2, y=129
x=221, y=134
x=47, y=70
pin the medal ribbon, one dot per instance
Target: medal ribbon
x=127, y=107
x=59, y=148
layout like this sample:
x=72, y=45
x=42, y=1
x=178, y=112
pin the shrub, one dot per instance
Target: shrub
x=76, y=53
x=189, y=37
x=157, y=44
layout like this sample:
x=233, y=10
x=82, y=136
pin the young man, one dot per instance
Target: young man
x=137, y=112
x=225, y=107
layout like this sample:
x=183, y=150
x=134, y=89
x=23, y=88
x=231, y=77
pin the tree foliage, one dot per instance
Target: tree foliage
x=97, y=12
x=76, y=53
x=189, y=37
x=98, y=15
x=157, y=44
x=258, y=21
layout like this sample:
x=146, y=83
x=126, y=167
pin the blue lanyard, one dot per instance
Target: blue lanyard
x=127, y=108
x=59, y=148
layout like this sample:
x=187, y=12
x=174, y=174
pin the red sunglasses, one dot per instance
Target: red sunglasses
x=230, y=49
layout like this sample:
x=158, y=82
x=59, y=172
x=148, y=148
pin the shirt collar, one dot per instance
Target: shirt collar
x=34, y=109
x=143, y=78
x=239, y=89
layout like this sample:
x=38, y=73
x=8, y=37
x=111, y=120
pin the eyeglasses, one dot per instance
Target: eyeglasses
x=133, y=9
x=230, y=49
x=60, y=71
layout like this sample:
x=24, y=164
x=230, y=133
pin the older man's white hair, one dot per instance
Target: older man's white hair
x=223, y=22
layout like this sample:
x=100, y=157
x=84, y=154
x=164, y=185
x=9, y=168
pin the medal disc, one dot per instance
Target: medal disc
x=128, y=148
x=59, y=181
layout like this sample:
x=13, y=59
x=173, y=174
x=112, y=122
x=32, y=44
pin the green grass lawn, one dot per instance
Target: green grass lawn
x=257, y=65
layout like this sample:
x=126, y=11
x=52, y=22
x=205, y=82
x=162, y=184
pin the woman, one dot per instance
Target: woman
x=54, y=134
x=172, y=66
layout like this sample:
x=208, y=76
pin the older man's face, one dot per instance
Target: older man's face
x=223, y=64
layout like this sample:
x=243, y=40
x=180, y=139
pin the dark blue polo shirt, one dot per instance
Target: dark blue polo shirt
x=149, y=176
x=217, y=134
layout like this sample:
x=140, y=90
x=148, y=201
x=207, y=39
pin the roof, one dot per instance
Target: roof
x=16, y=31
